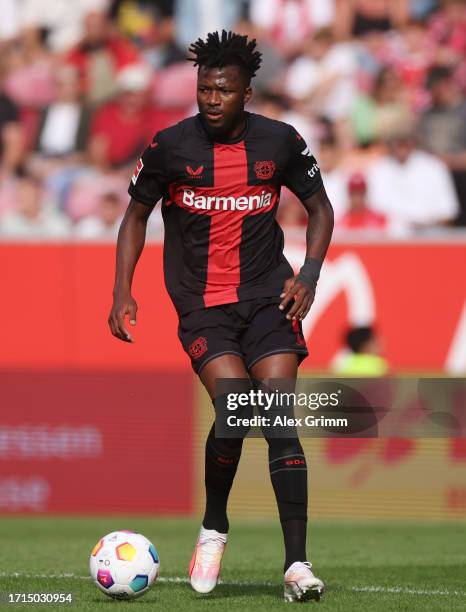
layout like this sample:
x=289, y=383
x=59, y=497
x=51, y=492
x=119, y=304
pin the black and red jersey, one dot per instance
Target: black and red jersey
x=220, y=199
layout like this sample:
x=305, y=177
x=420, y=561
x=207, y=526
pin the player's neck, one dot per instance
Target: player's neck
x=233, y=134
x=238, y=129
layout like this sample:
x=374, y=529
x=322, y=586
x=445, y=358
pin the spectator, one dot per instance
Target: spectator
x=358, y=17
x=30, y=67
x=363, y=358
x=442, y=128
x=99, y=56
x=194, y=18
x=160, y=47
x=448, y=31
x=333, y=175
x=421, y=9
x=9, y=23
x=376, y=116
x=272, y=73
x=106, y=220
x=121, y=128
x=32, y=217
x=412, y=59
x=323, y=76
x=289, y=23
x=359, y=215
x=357, y=65
x=11, y=135
x=412, y=188
x=88, y=189
x=62, y=21
x=276, y=107
x=152, y=26
x=63, y=125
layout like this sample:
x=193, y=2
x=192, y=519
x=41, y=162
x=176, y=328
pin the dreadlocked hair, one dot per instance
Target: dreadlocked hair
x=229, y=48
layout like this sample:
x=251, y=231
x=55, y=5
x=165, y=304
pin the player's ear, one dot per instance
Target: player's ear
x=247, y=94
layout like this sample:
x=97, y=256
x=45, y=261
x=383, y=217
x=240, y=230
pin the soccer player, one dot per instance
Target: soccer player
x=239, y=304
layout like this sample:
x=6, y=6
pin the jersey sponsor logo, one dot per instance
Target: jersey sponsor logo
x=312, y=172
x=196, y=174
x=198, y=347
x=264, y=169
x=137, y=171
x=226, y=202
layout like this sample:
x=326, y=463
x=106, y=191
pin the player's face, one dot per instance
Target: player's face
x=221, y=96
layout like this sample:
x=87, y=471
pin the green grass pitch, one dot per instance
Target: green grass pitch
x=366, y=566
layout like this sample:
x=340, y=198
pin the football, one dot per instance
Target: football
x=124, y=564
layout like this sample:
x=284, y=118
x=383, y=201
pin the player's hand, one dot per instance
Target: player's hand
x=123, y=305
x=303, y=297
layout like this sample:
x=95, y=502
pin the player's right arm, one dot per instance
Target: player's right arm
x=147, y=186
x=131, y=238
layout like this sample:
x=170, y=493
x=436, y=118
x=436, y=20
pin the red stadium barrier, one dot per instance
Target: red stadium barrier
x=91, y=424
x=57, y=299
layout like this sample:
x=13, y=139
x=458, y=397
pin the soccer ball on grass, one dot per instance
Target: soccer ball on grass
x=124, y=564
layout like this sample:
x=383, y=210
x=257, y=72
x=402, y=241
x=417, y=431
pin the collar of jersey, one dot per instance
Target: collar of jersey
x=239, y=138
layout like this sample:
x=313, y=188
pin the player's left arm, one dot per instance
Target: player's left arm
x=302, y=287
x=302, y=175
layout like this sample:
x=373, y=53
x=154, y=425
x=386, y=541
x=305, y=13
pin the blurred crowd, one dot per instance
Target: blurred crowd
x=376, y=87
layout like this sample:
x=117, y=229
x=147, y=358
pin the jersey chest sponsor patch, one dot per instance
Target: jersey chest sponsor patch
x=207, y=201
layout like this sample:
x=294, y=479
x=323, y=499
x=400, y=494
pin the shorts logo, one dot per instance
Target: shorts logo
x=137, y=170
x=198, y=348
x=196, y=174
x=264, y=169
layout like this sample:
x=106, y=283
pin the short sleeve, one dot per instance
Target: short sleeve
x=302, y=174
x=149, y=181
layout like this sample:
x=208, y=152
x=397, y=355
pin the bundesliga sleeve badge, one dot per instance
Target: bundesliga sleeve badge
x=137, y=171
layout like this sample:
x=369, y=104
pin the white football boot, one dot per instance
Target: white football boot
x=205, y=564
x=301, y=584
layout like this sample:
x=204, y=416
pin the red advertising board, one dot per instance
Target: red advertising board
x=58, y=297
x=78, y=441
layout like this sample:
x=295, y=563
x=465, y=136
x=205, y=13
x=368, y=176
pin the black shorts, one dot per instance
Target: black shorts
x=252, y=329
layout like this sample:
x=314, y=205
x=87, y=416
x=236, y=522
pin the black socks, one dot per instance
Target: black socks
x=288, y=473
x=222, y=456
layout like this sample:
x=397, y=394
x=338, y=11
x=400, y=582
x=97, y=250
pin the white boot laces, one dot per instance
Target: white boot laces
x=209, y=548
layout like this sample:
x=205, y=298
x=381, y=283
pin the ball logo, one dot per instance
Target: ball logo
x=264, y=169
x=198, y=347
x=137, y=170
